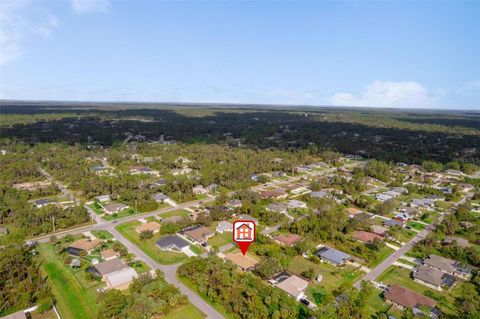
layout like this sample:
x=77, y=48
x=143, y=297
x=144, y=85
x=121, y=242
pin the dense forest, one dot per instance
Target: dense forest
x=387, y=135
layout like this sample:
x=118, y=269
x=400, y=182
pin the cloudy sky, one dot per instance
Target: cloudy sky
x=352, y=53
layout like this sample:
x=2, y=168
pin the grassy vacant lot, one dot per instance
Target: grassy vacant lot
x=382, y=255
x=221, y=239
x=333, y=277
x=102, y=234
x=149, y=246
x=73, y=299
x=180, y=212
x=190, y=312
x=445, y=300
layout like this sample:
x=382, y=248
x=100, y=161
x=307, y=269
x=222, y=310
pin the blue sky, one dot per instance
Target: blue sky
x=353, y=53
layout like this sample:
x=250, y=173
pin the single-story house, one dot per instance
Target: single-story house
x=294, y=286
x=277, y=193
x=379, y=230
x=448, y=266
x=234, y=203
x=392, y=193
x=248, y=217
x=107, y=267
x=212, y=187
x=199, y=189
x=39, y=203
x=154, y=227
x=422, y=202
x=82, y=245
x=458, y=240
x=103, y=198
x=120, y=279
x=366, y=237
x=382, y=197
x=405, y=298
x=333, y=256
x=161, y=182
x=159, y=197
x=401, y=190
x=296, y=188
x=433, y=278
x=199, y=234
x=244, y=262
x=277, y=208
x=319, y=194
x=109, y=254
x=393, y=222
x=32, y=186
x=224, y=226
x=114, y=208
x=288, y=239
x=143, y=170
x=172, y=242
x=296, y=204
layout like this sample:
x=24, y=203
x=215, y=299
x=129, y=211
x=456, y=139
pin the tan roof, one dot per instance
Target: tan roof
x=442, y=263
x=200, y=233
x=365, y=236
x=288, y=239
x=353, y=210
x=108, y=253
x=245, y=262
x=150, y=226
x=293, y=285
x=85, y=244
x=17, y=315
x=407, y=298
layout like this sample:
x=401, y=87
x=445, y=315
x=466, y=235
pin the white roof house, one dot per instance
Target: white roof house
x=294, y=286
x=224, y=226
x=103, y=198
x=121, y=279
x=296, y=204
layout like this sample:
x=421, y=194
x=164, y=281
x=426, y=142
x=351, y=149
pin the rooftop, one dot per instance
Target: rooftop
x=408, y=298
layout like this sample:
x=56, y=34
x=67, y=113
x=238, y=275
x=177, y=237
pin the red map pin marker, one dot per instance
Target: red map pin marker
x=244, y=233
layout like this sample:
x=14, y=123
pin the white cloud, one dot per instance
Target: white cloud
x=388, y=94
x=85, y=6
x=18, y=20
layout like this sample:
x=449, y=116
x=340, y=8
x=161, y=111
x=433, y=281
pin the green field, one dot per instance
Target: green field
x=180, y=212
x=190, y=312
x=445, y=300
x=149, y=246
x=73, y=299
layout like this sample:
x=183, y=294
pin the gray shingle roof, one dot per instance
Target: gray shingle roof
x=172, y=241
x=336, y=256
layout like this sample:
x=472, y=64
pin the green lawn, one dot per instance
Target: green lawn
x=221, y=239
x=102, y=234
x=445, y=300
x=333, y=277
x=415, y=225
x=140, y=266
x=180, y=212
x=149, y=246
x=376, y=305
x=124, y=213
x=73, y=300
x=382, y=255
x=96, y=208
x=189, y=311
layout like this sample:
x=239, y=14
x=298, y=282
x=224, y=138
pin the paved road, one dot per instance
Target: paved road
x=374, y=273
x=170, y=272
